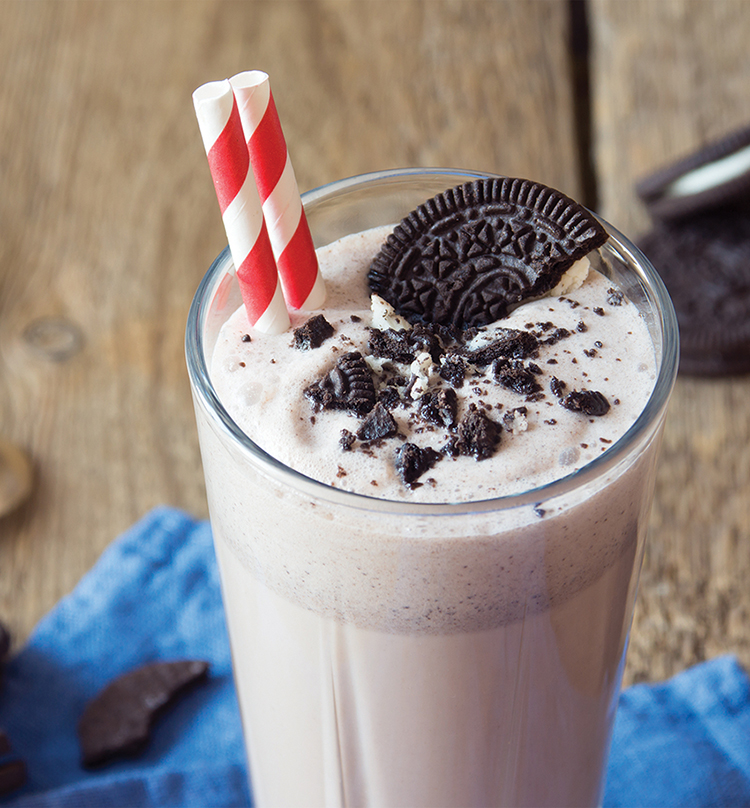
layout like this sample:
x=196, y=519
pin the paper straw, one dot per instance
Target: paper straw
x=228, y=160
x=282, y=207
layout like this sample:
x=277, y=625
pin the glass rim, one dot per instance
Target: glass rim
x=649, y=417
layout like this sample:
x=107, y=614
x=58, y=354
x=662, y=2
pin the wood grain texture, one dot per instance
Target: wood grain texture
x=667, y=77
x=109, y=218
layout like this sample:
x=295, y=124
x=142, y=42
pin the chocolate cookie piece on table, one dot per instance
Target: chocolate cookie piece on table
x=465, y=257
x=117, y=722
x=12, y=776
x=705, y=265
x=714, y=176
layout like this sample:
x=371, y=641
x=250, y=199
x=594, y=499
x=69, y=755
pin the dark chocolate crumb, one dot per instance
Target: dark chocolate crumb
x=588, y=402
x=348, y=386
x=551, y=422
x=557, y=387
x=346, y=441
x=539, y=511
x=246, y=338
x=453, y=371
x=509, y=344
x=599, y=311
x=440, y=407
x=413, y=461
x=510, y=416
x=355, y=319
x=379, y=424
x=450, y=449
x=341, y=472
x=478, y=435
x=591, y=354
x=514, y=375
x=599, y=344
x=403, y=346
x=614, y=297
x=582, y=328
x=552, y=361
x=391, y=344
x=389, y=398
x=605, y=440
x=555, y=336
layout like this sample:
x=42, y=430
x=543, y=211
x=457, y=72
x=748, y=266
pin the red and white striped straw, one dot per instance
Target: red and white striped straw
x=282, y=207
x=228, y=160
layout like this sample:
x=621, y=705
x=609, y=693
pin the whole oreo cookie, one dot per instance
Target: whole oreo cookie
x=716, y=175
x=705, y=265
x=464, y=257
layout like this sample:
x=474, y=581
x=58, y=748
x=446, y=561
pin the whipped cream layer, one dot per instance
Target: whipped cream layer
x=261, y=379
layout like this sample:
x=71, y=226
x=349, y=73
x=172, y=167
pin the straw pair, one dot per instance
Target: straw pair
x=260, y=204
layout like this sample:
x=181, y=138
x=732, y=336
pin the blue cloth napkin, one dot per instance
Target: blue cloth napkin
x=154, y=594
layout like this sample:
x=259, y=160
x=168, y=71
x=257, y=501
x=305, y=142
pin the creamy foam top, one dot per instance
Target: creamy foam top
x=261, y=381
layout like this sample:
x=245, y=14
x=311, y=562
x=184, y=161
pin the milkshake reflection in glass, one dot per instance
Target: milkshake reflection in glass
x=396, y=652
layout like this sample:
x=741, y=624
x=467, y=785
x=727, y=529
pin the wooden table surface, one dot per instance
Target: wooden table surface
x=108, y=220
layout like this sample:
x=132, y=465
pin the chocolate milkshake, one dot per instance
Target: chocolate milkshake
x=428, y=594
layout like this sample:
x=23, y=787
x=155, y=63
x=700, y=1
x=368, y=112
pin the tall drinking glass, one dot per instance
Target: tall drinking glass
x=395, y=654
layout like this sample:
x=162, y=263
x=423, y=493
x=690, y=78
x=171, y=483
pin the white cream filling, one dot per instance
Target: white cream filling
x=711, y=175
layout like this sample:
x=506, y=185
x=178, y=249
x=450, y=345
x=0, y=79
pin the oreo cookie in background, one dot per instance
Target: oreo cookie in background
x=716, y=175
x=705, y=265
x=700, y=245
x=12, y=768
